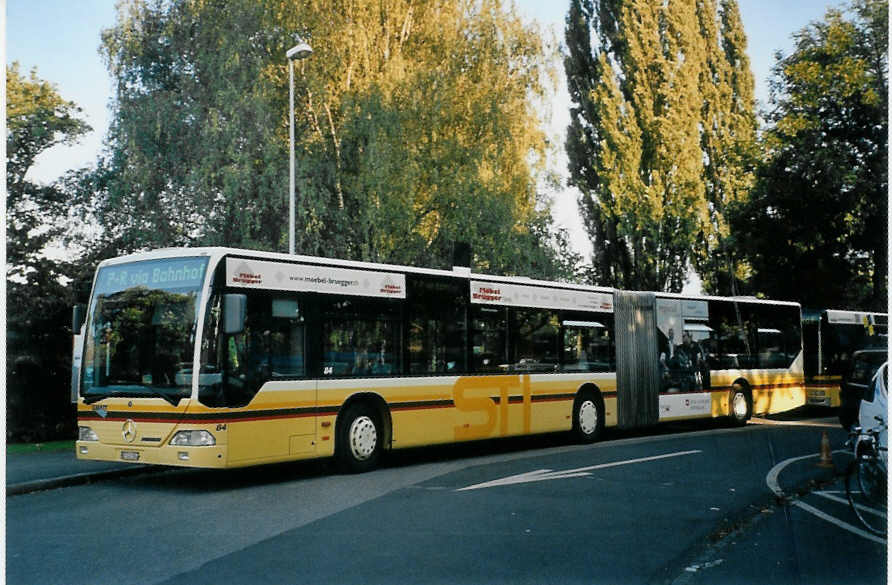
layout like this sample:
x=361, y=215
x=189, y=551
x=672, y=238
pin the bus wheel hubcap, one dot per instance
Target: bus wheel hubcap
x=588, y=417
x=363, y=438
x=739, y=406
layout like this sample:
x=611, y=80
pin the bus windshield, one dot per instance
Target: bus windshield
x=141, y=333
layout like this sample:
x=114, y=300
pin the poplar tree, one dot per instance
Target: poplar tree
x=729, y=143
x=662, y=111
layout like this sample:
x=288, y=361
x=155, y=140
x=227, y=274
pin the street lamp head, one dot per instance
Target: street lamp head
x=299, y=51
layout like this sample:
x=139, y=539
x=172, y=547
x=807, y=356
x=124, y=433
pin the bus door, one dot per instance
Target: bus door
x=637, y=367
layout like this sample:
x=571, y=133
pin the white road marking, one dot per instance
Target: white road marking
x=836, y=521
x=772, y=480
x=831, y=495
x=547, y=474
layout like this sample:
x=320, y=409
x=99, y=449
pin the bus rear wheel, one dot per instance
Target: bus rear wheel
x=588, y=417
x=741, y=405
x=359, y=438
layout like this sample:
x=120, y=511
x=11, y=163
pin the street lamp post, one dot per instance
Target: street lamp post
x=299, y=51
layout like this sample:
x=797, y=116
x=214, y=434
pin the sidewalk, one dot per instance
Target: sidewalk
x=41, y=470
x=802, y=539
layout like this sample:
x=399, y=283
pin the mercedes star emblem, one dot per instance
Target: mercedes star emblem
x=129, y=430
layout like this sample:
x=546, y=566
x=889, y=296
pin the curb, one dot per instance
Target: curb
x=778, y=499
x=28, y=487
x=773, y=478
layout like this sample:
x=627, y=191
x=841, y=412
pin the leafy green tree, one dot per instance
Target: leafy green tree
x=815, y=229
x=194, y=151
x=38, y=302
x=414, y=130
x=661, y=126
x=37, y=118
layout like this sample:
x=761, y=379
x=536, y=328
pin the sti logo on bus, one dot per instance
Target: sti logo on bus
x=472, y=396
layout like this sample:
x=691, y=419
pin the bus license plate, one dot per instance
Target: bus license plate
x=130, y=455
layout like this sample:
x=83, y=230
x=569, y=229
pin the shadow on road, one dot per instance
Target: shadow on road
x=209, y=480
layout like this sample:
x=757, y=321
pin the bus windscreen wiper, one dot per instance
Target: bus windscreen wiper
x=173, y=399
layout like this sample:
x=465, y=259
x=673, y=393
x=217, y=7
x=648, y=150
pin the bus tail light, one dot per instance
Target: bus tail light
x=193, y=439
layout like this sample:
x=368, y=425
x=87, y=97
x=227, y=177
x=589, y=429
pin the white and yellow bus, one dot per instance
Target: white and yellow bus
x=225, y=358
x=830, y=338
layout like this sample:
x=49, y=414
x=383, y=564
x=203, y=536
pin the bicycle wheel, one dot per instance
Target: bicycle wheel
x=866, y=491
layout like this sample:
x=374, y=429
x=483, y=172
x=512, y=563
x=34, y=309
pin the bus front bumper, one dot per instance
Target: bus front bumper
x=207, y=457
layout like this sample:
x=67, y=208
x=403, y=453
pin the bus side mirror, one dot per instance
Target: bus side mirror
x=78, y=313
x=234, y=311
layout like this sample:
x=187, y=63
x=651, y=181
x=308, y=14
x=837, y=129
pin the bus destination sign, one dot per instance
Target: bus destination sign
x=166, y=274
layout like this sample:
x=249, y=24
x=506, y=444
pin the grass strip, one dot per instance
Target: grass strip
x=16, y=448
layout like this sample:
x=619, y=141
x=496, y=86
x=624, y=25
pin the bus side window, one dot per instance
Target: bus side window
x=534, y=340
x=436, y=326
x=734, y=343
x=361, y=337
x=587, y=344
x=287, y=341
x=489, y=338
x=779, y=335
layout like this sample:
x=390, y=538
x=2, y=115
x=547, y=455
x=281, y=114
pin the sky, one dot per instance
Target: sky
x=61, y=39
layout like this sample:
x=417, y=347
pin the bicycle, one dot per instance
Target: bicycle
x=866, y=478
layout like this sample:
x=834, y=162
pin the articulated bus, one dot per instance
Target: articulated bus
x=829, y=339
x=226, y=358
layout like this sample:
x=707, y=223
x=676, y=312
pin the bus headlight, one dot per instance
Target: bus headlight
x=193, y=439
x=86, y=434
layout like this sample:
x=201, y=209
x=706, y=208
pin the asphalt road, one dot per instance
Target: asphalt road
x=665, y=506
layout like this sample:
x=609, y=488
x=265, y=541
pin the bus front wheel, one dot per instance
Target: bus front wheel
x=359, y=439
